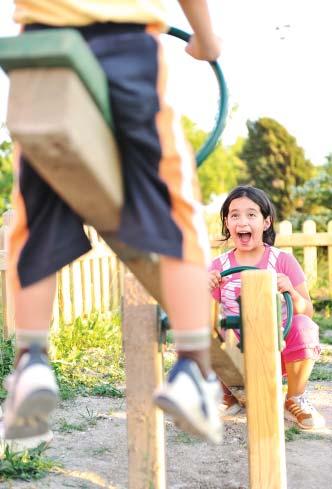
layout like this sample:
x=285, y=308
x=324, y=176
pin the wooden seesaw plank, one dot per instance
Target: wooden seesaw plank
x=67, y=141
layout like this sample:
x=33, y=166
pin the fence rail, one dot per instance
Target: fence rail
x=95, y=281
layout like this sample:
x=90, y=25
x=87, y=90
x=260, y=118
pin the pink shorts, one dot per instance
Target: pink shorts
x=302, y=341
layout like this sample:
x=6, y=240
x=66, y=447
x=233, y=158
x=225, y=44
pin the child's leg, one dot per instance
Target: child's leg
x=192, y=392
x=45, y=236
x=185, y=291
x=302, y=349
x=298, y=374
x=33, y=307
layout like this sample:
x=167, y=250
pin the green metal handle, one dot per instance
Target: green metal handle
x=287, y=297
x=220, y=121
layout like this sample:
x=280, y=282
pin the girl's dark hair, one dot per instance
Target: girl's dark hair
x=261, y=199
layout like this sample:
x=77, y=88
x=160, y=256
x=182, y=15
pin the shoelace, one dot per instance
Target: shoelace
x=305, y=404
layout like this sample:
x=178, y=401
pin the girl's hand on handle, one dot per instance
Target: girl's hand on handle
x=284, y=284
x=215, y=279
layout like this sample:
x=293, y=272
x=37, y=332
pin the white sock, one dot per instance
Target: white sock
x=27, y=337
x=192, y=340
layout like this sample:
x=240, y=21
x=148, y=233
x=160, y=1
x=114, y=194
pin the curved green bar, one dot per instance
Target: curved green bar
x=288, y=300
x=220, y=122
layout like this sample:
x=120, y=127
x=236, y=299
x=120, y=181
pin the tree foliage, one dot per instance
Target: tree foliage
x=6, y=175
x=222, y=169
x=313, y=199
x=275, y=162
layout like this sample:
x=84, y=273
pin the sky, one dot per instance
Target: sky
x=276, y=61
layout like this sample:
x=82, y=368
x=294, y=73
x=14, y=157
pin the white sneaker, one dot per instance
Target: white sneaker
x=192, y=401
x=32, y=395
x=299, y=410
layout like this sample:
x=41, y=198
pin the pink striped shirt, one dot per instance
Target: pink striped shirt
x=272, y=259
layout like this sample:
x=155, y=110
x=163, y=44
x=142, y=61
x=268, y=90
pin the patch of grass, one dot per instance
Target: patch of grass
x=321, y=371
x=27, y=465
x=183, y=437
x=87, y=356
x=105, y=390
x=7, y=355
x=90, y=417
x=101, y=451
x=65, y=427
x=294, y=433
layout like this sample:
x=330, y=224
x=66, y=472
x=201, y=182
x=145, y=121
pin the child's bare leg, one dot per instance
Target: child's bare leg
x=185, y=291
x=297, y=406
x=298, y=374
x=33, y=306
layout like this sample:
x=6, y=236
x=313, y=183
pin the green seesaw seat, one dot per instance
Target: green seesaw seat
x=59, y=113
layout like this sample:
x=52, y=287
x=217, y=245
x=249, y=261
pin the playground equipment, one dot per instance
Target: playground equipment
x=65, y=81
x=226, y=349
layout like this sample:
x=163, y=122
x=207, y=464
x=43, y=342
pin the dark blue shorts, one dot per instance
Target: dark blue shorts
x=161, y=213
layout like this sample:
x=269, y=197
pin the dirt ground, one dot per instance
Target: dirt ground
x=96, y=456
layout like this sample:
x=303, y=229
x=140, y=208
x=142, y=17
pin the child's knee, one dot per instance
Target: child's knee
x=304, y=330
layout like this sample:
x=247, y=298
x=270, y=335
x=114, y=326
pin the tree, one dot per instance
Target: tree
x=6, y=175
x=275, y=162
x=313, y=199
x=221, y=170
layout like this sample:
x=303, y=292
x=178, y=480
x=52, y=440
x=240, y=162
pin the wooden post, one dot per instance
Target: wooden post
x=310, y=255
x=66, y=306
x=329, y=248
x=7, y=300
x=267, y=464
x=285, y=229
x=144, y=371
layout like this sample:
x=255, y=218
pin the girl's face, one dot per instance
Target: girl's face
x=246, y=223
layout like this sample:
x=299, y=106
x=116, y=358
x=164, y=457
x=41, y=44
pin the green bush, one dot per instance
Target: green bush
x=87, y=354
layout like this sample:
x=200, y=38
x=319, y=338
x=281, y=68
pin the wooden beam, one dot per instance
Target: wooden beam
x=267, y=466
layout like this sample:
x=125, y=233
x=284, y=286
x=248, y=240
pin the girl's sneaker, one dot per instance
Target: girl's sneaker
x=231, y=407
x=299, y=410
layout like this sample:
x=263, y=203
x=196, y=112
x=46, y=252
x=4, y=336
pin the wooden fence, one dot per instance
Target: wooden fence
x=95, y=281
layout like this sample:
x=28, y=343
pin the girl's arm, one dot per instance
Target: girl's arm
x=300, y=295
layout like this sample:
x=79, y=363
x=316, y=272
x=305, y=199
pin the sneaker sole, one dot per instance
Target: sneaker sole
x=31, y=416
x=232, y=410
x=290, y=417
x=21, y=444
x=181, y=420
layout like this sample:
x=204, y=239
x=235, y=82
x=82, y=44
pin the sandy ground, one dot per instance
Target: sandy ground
x=96, y=457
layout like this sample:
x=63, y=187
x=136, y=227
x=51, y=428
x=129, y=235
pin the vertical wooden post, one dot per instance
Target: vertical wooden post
x=310, y=255
x=267, y=463
x=329, y=230
x=66, y=305
x=8, y=306
x=285, y=229
x=144, y=370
